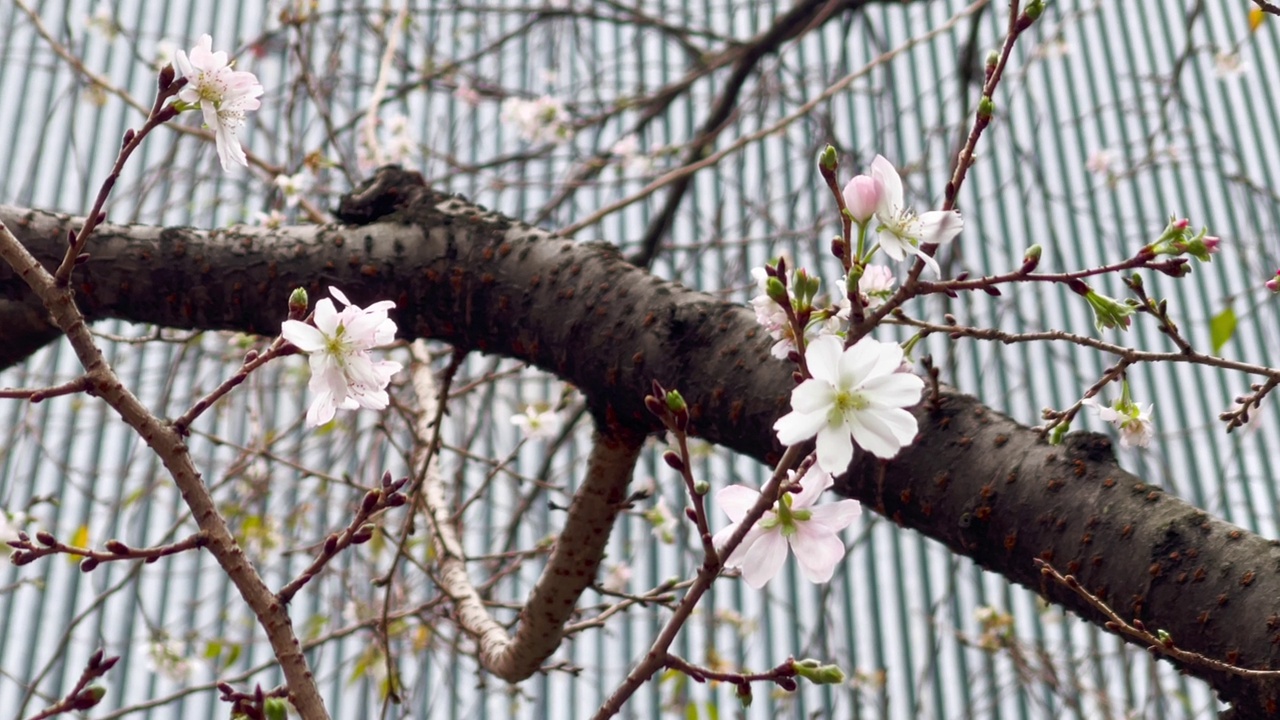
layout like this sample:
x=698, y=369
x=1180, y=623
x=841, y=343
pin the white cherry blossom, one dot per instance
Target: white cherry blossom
x=876, y=285
x=899, y=229
x=538, y=423
x=343, y=375
x=1134, y=423
x=794, y=523
x=292, y=187
x=855, y=395
x=224, y=96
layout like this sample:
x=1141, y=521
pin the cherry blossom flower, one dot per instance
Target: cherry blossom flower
x=876, y=284
x=467, y=94
x=164, y=53
x=1102, y=162
x=1134, y=423
x=224, y=96
x=862, y=195
x=538, y=423
x=617, y=578
x=103, y=21
x=292, y=187
x=1229, y=65
x=901, y=231
x=9, y=529
x=342, y=373
x=812, y=532
x=271, y=220
x=540, y=120
x=855, y=395
x=663, y=521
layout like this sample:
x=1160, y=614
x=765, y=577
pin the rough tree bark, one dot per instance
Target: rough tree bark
x=985, y=486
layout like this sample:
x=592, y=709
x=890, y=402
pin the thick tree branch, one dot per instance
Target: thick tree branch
x=975, y=480
x=570, y=569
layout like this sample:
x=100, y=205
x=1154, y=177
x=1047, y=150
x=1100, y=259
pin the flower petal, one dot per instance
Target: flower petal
x=307, y=338
x=765, y=559
x=859, y=361
x=835, y=448
x=891, y=184
x=894, y=390
x=335, y=292
x=818, y=549
x=813, y=396
x=892, y=245
x=326, y=317
x=883, y=431
x=836, y=515
x=940, y=226
x=736, y=500
x=795, y=427
x=814, y=482
x=823, y=358
x=929, y=261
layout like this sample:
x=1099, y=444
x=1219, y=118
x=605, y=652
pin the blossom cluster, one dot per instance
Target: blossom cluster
x=343, y=375
x=222, y=94
x=540, y=120
x=877, y=199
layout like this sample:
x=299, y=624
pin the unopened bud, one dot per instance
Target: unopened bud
x=1274, y=283
x=675, y=402
x=369, y=502
x=701, y=487
x=776, y=291
x=827, y=159
x=167, y=74
x=673, y=460
x=1178, y=267
x=88, y=697
x=115, y=547
x=986, y=108
x=298, y=303
x=363, y=535
x=743, y=693
x=1031, y=258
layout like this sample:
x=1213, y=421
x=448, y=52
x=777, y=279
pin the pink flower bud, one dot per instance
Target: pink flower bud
x=1211, y=244
x=862, y=195
x=1274, y=283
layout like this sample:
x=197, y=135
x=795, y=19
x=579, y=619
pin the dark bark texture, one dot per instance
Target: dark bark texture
x=985, y=486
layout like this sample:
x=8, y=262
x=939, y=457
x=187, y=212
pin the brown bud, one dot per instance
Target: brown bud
x=115, y=547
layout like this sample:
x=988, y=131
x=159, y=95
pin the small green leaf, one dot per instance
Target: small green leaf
x=1221, y=328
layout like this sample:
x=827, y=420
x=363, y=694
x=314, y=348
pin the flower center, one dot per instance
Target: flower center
x=337, y=346
x=846, y=401
x=905, y=225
